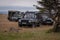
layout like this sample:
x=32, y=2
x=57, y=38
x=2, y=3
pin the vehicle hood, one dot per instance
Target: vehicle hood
x=27, y=19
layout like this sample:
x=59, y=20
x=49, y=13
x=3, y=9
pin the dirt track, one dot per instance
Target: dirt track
x=5, y=24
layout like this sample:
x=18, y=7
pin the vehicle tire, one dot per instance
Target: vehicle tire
x=9, y=19
x=16, y=20
x=20, y=25
x=51, y=23
x=38, y=25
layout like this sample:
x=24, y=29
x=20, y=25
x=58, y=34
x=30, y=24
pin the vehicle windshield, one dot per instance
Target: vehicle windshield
x=30, y=16
x=15, y=15
x=18, y=15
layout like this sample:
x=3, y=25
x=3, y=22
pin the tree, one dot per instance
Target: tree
x=51, y=5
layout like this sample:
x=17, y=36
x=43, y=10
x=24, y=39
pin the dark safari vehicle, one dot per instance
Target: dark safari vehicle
x=47, y=20
x=14, y=15
x=30, y=19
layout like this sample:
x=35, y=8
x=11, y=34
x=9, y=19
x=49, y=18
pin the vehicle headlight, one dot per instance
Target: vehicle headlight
x=30, y=20
x=19, y=20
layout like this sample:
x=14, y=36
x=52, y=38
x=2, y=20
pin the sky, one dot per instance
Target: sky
x=22, y=5
x=26, y=3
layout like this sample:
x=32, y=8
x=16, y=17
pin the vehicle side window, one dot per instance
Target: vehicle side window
x=30, y=16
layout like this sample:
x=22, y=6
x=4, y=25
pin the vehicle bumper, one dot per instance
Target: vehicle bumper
x=29, y=23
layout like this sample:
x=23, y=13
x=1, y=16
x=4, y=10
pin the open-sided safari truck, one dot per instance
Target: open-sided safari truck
x=14, y=15
x=30, y=19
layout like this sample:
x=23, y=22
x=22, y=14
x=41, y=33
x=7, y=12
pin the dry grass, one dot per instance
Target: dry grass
x=38, y=33
x=5, y=24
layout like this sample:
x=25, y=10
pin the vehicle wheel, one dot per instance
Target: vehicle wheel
x=51, y=23
x=30, y=26
x=20, y=25
x=38, y=25
x=16, y=20
x=9, y=19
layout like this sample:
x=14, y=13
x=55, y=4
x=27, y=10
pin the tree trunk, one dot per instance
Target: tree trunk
x=57, y=23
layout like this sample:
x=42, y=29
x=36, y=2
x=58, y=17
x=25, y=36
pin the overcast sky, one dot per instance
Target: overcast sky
x=26, y=3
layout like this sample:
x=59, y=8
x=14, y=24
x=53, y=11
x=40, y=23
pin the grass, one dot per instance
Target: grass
x=36, y=35
x=39, y=33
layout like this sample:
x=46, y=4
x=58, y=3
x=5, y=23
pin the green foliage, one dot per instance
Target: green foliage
x=30, y=35
x=47, y=5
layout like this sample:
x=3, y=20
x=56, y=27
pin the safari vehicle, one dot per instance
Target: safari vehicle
x=29, y=19
x=14, y=15
x=47, y=20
